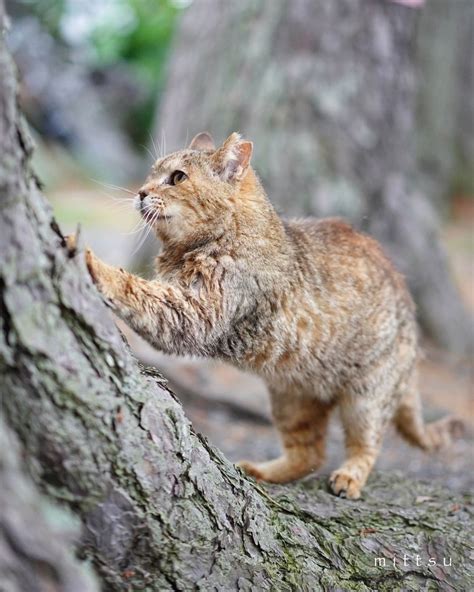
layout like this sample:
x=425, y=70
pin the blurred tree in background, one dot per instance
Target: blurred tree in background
x=142, y=44
x=92, y=74
x=445, y=130
x=328, y=91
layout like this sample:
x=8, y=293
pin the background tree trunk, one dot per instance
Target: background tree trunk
x=327, y=90
x=445, y=106
x=160, y=508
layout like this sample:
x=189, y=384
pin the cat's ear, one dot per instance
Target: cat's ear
x=202, y=141
x=232, y=159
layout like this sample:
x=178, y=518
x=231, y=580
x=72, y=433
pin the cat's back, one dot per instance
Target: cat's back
x=341, y=260
x=323, y=235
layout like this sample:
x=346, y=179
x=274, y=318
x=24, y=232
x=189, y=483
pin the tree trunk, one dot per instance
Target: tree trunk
x=160, y=508
x=36, y=537
x=327, y=90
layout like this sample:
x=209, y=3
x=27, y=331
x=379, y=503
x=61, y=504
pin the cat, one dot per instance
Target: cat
x=312, y=306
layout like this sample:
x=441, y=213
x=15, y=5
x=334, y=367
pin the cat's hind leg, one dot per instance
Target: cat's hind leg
x=302, y=422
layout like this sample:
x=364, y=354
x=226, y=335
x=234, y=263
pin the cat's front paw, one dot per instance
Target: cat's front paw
x=93, y=266
x=103, y=276
x=70, y=242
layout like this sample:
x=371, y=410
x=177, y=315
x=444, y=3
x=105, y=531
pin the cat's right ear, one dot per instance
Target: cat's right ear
x=202, y=141
x=232, y=160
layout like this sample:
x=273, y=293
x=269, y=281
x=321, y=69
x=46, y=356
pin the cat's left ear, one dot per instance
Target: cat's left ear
x=202, y=141
x=232, y=159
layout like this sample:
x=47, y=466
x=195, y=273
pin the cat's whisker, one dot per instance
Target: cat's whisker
x=111, y=186
x=153, y=157
x=141, y=224
x=119, y=188
x=154, y=146
x=137, y=228
x=141, y=241
x=136, y=232
x=118, y=200
x=120, y=205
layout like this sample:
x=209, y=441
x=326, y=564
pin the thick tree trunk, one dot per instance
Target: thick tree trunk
x=327, y=90
x=160, y=508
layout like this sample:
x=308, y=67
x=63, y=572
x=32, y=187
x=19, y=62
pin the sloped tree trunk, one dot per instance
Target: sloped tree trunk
x=327, y=90
x=160, y=508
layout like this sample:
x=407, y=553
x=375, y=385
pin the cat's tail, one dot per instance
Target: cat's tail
x=431, y=437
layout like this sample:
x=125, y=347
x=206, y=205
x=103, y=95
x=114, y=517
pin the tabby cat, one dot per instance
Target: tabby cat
x=312, y=306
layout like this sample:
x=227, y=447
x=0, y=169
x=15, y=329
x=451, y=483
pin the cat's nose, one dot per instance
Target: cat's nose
x=142, y=194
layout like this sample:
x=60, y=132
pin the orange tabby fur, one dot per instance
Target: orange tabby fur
x=312, y=306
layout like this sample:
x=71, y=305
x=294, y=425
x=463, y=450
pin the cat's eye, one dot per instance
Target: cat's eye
x=177, y=177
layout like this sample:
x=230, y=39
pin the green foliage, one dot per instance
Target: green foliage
x=132, y=33
x=139, y=36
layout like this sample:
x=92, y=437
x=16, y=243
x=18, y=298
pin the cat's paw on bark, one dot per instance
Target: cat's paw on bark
x=93, y=266
x=344, y=484
x=70, y=242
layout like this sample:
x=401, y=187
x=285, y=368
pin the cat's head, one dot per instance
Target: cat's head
x=191, y=191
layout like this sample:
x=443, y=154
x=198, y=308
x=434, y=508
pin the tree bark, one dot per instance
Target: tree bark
x=160, y=508
x=328, y=93
x=36, y=536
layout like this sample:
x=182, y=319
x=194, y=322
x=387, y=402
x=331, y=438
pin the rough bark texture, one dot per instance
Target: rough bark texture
x=160, y=508
x=36, y=537
x=327, y=90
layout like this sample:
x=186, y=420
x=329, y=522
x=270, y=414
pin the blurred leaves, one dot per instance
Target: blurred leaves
x=139, y=35
x=132, y=35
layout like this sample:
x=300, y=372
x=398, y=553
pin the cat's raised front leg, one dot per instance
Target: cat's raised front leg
x=169, y=317
x=302, y=422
